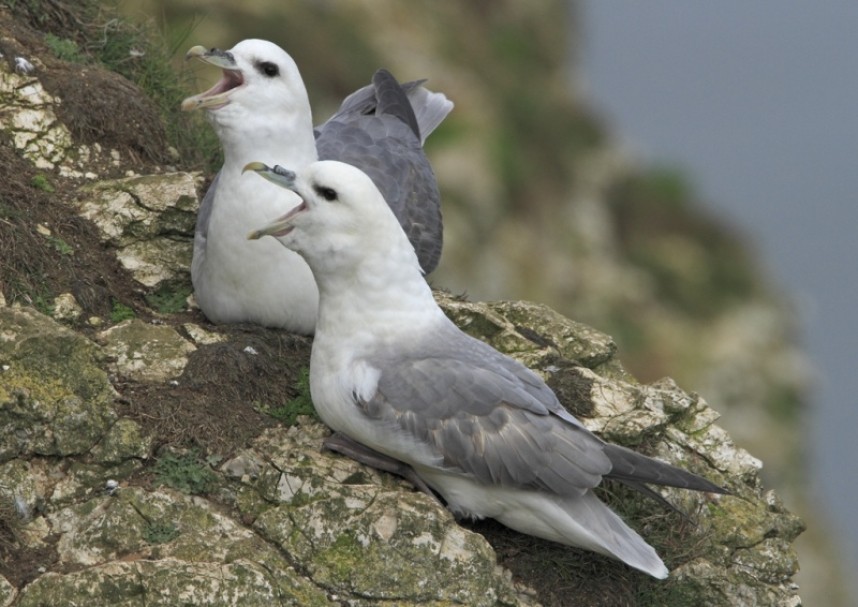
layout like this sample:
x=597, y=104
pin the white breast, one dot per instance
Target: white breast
x=257, y=281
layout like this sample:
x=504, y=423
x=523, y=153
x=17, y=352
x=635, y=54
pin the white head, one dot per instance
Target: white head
x=260, y=80
x=343, y=224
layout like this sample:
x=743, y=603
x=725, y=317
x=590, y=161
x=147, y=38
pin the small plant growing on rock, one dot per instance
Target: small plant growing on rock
x=169, y=300
x=64, y=49
x=186, y=472
x=41, y=182
x=61, y=246
x=121, y=312
x=302, y=404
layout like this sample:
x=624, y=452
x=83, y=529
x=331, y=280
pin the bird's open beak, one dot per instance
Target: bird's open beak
x=217, y=96
x=285, y=179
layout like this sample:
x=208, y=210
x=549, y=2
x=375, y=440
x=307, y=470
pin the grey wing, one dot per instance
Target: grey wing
x=382, y=137
x=204, y=213
x=389, y=153
x=488, y=420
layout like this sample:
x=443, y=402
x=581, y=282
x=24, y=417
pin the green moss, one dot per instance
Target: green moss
x=160, y=533
x=55, y=399
x=343, y=557
x=672, y=593
x=44, y=304
x=716, y=510
x=125, y=440
x=63, y=357
x=88, y=587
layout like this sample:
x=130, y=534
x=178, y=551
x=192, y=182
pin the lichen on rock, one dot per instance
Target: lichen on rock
x=146, y=352
x=388, y=545
x=166, y=583
x=55, y=397
x=7, y=592
x=29, y=117
x=149, y=219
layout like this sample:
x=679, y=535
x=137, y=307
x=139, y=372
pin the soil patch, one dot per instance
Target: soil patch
x=220, y=402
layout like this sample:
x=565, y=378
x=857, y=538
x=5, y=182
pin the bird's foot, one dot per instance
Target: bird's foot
x=342, y=444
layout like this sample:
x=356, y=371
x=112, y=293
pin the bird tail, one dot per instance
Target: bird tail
x=583, y=521
x=430, y=108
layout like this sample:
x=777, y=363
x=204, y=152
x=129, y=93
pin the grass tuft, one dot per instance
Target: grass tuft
x=144, y=55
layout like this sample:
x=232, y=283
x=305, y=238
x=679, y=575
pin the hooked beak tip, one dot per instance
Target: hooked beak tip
x=255, y=167
x=195, y=52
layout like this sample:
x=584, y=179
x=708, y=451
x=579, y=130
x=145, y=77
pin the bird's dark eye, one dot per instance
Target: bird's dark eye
x=328, y=194
x=268, y=68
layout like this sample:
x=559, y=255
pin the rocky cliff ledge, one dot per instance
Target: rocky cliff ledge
x=149, y=458
x=134, y=473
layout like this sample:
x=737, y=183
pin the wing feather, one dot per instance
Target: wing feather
x=201, y=230
x=472, y=406
x=486, y=415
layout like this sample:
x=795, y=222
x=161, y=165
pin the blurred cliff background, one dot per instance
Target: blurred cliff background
x=674, y=176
